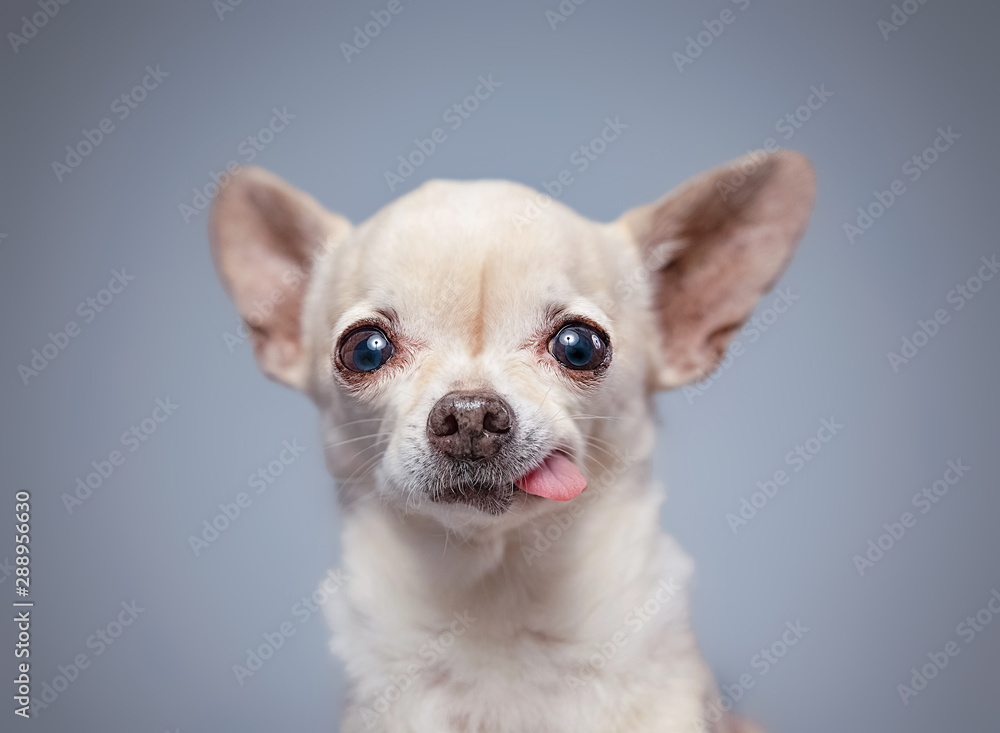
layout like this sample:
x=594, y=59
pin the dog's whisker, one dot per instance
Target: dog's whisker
x=365, y=471
x=341, y=426
x=610, y=449
x=356, y=439
x=351, y=480
x=587, y=417
x=595, y=459
x=359, y=452
x=544, y=397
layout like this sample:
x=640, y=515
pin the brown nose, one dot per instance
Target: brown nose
x=470, y=426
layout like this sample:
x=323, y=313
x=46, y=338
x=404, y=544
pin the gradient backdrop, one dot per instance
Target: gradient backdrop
x=129, y=209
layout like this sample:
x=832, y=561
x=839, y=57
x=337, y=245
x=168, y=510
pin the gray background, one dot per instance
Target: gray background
x=826, y=357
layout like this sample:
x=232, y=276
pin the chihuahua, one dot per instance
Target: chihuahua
x=483, y=359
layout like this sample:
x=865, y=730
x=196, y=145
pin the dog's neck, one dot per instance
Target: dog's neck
x=521, y=613
x=604, y=551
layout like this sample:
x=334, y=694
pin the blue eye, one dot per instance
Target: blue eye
x=579, y=347
x=365, y=349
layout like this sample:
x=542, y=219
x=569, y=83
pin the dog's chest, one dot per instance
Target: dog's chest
x=498, y=646
x=480, y=672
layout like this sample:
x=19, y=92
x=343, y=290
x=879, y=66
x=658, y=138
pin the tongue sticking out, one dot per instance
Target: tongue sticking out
x=557, y=478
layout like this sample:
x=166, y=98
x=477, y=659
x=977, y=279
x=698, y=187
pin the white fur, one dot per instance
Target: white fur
x=551, y=616
x=539, y=620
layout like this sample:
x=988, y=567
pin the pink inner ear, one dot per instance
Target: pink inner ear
x=737, y=227
x=264, y=233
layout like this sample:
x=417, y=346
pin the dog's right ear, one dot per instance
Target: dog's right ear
x=265, y=236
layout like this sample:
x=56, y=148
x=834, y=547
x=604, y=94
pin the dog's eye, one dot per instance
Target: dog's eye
x=579, y=346
x=365, y=349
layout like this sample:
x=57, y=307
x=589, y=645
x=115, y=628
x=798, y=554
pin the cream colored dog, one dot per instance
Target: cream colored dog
x=483, y=361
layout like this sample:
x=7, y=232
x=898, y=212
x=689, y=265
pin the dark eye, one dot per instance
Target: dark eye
x=579, y=346
x=365, y=349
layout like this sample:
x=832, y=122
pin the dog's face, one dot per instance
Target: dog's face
x=478, y=352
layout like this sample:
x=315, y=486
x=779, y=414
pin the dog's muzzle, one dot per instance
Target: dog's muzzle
x=469, y=432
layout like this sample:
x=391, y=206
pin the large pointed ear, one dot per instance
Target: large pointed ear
x=265, y=237
x=719, y=242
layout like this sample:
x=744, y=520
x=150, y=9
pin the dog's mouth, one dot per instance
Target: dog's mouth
x=555, y=477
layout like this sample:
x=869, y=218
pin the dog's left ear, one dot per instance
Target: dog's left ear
x=716, y=245
x=265, y=237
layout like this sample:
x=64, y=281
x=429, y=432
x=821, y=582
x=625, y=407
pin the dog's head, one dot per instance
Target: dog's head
x=474, y=346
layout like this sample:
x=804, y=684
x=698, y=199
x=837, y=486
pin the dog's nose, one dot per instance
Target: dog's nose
x=470, y=426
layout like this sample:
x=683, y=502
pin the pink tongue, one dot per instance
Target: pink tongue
x=557, y=478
